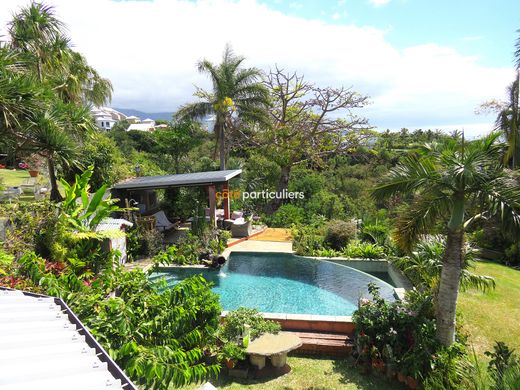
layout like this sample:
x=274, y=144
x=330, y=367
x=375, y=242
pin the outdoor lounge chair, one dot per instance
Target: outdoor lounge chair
x=241, y=228
x=162, y=223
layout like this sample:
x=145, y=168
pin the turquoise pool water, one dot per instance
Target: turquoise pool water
x=284, y=283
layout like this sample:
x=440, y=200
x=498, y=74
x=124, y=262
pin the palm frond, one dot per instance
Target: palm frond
x=419, y=218
x=409, y=176
x=194, y=111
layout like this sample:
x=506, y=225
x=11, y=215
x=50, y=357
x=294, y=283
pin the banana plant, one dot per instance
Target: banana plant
x=83, y=211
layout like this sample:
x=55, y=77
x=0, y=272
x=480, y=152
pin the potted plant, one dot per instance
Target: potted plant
x=232, y=353
x=389, y=359
x=34, y=163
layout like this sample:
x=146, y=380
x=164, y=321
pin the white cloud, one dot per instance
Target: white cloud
x=149, y=50
x=379, y=3
x=336, y=16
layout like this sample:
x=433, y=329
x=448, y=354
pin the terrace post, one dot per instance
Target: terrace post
x=212, y=205
x=225, y=199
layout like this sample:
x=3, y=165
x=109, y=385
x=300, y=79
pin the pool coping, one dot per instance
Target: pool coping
x=299, y=317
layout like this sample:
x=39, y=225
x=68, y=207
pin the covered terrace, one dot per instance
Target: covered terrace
x=142, y=190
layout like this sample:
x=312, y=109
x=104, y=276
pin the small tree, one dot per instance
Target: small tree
x=304, y=124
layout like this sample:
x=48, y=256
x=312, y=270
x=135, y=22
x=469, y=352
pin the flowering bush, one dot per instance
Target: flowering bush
x=398, y=334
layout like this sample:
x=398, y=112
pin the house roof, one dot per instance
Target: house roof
x=179, y=180
x=45, y=346
x=140, y=126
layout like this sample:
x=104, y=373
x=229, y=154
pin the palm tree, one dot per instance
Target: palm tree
x=55, y=136
x=237, y=94
x=38, y=36
x=451, y=184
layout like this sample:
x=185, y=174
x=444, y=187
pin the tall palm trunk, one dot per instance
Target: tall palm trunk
x=446, y=305
x=55, y=193
x=222, y=149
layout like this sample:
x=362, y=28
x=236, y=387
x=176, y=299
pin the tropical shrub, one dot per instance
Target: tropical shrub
x=286, y=216
x=326, y=252
x=172, y=255
x=150, y=241
x=377, y=233
x=446, y=369
x=364, y=250
x=400, y=333
x=157, y=338
x=504, y=367
x=238, y=328
x=324, y=203
x=307, y=240
x=6, y=261
x=233, y=351
x=235, y=321
x=339, y=233
x=423, y=266
x=30, y=226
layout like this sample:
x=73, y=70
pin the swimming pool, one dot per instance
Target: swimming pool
x=284, y=283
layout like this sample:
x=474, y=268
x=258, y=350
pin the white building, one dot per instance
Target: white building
x=133, y=119
x=106, y=117
x=142, y=126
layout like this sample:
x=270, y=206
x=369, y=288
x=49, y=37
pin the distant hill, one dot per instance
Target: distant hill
x=208, y=122
x=143, y=115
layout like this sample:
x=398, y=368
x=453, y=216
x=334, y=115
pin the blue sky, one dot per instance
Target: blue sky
x=424, y=63
x=485, y=29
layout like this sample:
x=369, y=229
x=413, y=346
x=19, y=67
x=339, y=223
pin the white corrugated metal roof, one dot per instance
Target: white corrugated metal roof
x=41, y=349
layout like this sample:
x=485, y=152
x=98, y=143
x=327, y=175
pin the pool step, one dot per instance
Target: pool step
x=336, y=344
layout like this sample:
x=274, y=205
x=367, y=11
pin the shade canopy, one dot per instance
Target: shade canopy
x=179, y=180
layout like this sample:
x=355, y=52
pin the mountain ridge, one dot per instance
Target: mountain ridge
x=144, y=115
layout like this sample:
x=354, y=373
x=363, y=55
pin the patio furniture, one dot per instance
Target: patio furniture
x=227, y=223
x=274, y=346
x=161, y=221
x=241, y=228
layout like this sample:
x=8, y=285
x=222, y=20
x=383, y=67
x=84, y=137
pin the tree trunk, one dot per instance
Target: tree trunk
x=447, y=295
x=55, y=193
x=283, y=183
x=222, y=152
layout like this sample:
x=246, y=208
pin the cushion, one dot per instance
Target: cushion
x=236, y=214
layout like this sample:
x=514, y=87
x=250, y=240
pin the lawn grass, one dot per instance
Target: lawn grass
x=311, y=373
x=13, y=178
x=494, y=315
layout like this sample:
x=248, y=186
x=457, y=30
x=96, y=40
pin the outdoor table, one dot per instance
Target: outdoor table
x=275, y=346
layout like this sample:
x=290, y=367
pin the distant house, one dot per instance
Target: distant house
x=149, y=121
x=141, y=126
x=106, y=117
x=133, y=119
x=144, y=125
